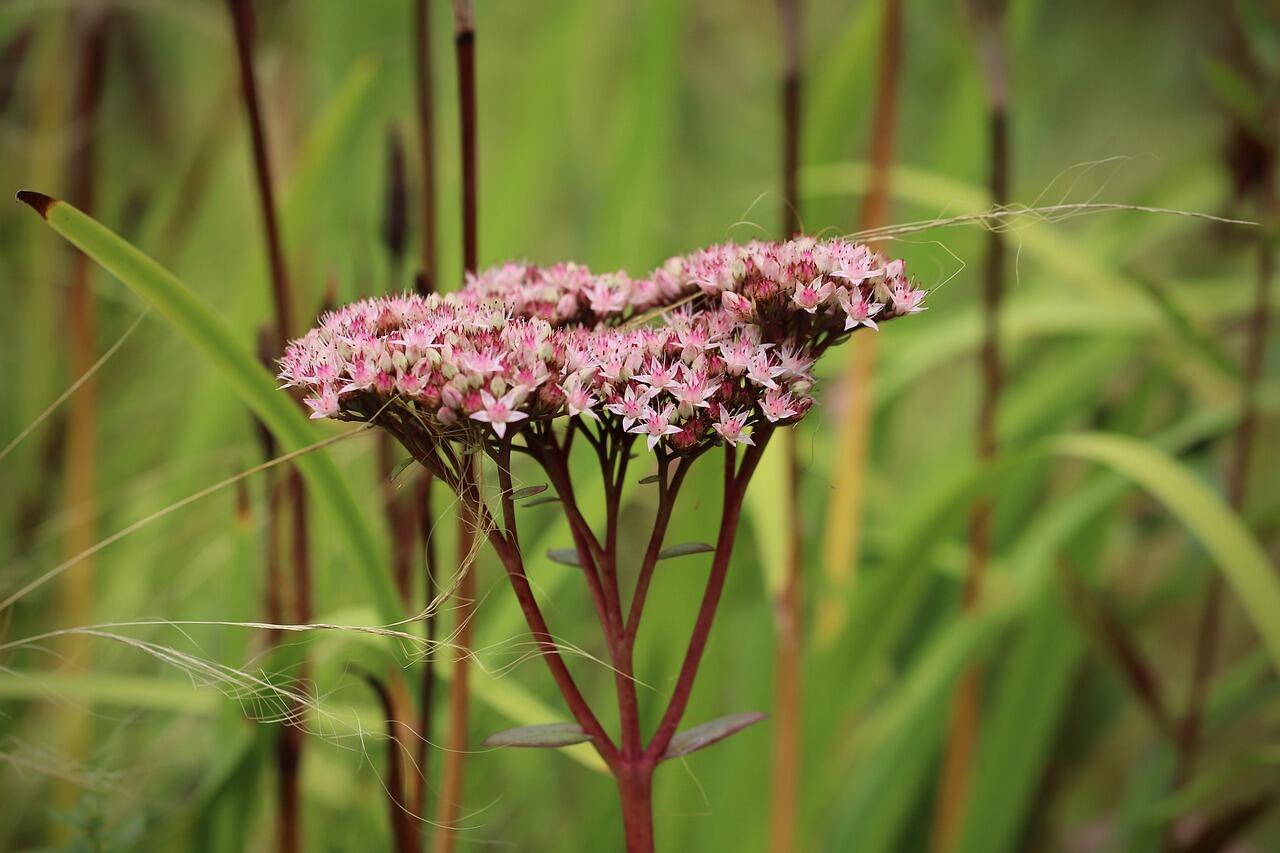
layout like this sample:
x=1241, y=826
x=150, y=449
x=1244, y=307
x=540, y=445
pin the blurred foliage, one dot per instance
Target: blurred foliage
x=617, y=134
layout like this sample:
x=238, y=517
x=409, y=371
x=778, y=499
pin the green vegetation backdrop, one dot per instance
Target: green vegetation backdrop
x=617, y=134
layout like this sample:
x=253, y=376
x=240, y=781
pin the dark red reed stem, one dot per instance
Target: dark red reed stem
x=425, y=282
x=426, y=698
x=988, y=23
x=426, y=142
x=289, y=743
x=274, y=590
x=451, y=786
x=1252, y=161
x=242, y=19
x=465, y=48
x=789, y=22
x=449, y=800
x=395, y=209
x=403, y=832
x=788, y=618
x=1208, y=636
x=875, y=206
x=75, y=592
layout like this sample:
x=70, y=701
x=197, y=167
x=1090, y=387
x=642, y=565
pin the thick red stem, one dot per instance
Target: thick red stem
x=635, y=793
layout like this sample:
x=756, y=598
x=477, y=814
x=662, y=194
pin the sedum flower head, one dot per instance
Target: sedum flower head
x=519, y=346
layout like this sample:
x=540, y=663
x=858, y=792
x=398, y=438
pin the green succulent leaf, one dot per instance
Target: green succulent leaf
x=401, y=466
x=547, y=736
x=705, y=734
x=684, y=549
x=528, y=492
x=564, y=556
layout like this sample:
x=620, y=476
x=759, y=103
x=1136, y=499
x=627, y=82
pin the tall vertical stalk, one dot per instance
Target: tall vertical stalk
x=1191, y=726
x=788, y=604
x=426, y=141
x=274, y=589
x=289, y=743
x=426, y=283
x=789, y=28
x=403, y=832
x=427, y=689
x=401, y=510
x=75, y=591
x=281, y=292
x=988, y=19
x=1252, y=159
x=451, y=787
x=843, y=527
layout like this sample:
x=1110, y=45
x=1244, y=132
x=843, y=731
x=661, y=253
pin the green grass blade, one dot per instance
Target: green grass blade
x=770, y=528
x=896, y=746
x=1022, y=716
x=1202, y=511
x=124, y=691
x=241, y=370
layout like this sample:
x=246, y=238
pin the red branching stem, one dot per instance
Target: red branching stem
x=600, y=564
x=555, y=461
x=503, y=543
x=631, y=762
x=589, y=550
x=734, y=491
x=614, y=468
x=668, y=489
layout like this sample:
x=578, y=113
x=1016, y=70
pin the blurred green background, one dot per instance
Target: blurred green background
x=617, y=134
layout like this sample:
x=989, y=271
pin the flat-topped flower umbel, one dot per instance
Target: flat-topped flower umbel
x=521, y=345
x=713, y=349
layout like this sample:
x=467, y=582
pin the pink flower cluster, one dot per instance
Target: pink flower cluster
x=569, y=294
x=522, y=344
